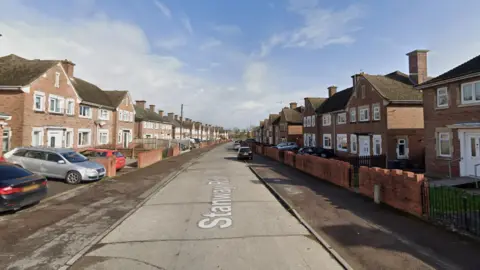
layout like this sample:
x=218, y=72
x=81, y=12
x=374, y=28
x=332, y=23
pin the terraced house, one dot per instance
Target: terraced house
x=47, y=105
x=290, y=124
x=149, y=124
x=310, y=127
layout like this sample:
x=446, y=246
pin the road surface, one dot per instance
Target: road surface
x=214, y=215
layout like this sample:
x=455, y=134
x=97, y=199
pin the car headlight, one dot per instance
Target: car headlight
x=91, y=171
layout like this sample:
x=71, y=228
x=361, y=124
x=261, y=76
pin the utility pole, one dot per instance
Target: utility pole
x=181, y=121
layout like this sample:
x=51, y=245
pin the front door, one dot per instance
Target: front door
x=472, y=156
x=55, y=138
x=364, y=145
x=125, y=139
x=402, y=148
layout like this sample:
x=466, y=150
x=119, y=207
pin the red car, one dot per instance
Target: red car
x=120, y=158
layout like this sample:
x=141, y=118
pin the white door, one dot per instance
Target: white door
x=364, y=145
x=125, y=139
x=402, y=148
x=472, y=156
x=55, y=138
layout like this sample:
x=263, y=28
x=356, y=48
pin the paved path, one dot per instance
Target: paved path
x=215, y=215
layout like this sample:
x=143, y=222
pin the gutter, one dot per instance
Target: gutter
x=419, y=102
x=448, y=81
x=97, y=105
x=11, y=87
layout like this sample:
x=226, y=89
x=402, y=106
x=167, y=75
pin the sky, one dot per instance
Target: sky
x=233, y=62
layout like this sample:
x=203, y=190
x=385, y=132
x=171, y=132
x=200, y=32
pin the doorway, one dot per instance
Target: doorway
x=125, y=136
x=472, y=155
x=364, y=145
x=402, y=148
x=55, y=138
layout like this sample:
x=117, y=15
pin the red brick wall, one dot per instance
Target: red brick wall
x=109, y=163
x=272, y=153
x=399, y=189
x=334, y=171
x=289, y=158
x=12, y=102
x=148, y=158
x=259, y=149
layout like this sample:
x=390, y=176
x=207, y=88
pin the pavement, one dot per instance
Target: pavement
x=366, y=235
x=214, y=215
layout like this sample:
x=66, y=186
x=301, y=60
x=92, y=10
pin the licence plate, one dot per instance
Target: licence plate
x=30, y=188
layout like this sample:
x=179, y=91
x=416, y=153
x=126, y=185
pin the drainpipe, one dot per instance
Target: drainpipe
x=334, y=135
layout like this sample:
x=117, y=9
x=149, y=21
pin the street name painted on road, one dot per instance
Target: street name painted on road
x=221, y=211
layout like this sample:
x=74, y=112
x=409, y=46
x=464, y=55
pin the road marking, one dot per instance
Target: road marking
x=221, y=210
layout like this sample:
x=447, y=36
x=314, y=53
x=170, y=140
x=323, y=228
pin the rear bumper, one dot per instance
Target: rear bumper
x=15, y=201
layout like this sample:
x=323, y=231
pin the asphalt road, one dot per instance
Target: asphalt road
x=214, y=215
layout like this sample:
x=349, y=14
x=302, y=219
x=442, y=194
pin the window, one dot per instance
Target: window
x=39, y=101
x=57, y=79
x=353, y=115
x=471, y=92
x=70, y=106
x=104, y=115
x=377, y=145
x=5, y=140
x=304, y=121
x=85, y=111
x=55, y=104
x=119, y=137
x=37, y=136
x=309, y=121
x=314, y=140
x=53, y=157
x=364, y=114
x=376, y=112
x=327, y=119
x=103, y=136
x=84, y=137
x=327, y=141
x=314, y=120
x=402, y=148
x=342, y=143
x=69, y=138
x=341, y=118
x=353, y=143
x=363, y=91
x=444, y=147
x=442, y=97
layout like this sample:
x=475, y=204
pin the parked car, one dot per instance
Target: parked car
x=288, y=146
x=236, y=146
x=20, y=187
x=323, y=152
x=60, y=163
x=306, y=151
x=250, y=140
x=244, y=153
x=120, y=159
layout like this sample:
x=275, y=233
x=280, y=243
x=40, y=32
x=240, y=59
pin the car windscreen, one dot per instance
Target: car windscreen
x=74, y=157
x=9, y=172
x=118, y=154
x=244, y=150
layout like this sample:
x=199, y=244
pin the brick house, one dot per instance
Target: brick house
x=4, y=132
x=452, y=121
x=173, y=119
x=196, y=130
x=123, y=127
x=291, y=124
x=274, y=119
x=49, y=106
x=260, y=132
x=331, y=121
x=150, y=124
x=310, y=130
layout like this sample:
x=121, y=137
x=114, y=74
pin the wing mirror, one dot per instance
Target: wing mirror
x=61, y=161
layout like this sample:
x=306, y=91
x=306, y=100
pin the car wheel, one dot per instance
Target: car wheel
x=73, y=178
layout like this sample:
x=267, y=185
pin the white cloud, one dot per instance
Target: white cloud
x=172, y=43
x=210, y=43
x=227, y=29
x=186, y=23
x=256, y=77
x=321, y=27
x=163, y=8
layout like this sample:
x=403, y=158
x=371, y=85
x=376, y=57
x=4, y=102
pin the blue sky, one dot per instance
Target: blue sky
x=233, y=62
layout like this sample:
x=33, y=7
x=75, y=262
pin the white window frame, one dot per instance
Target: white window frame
x=474, y=100
x=314, y=120
x=72, y=137
x=353, y=142
x=406, y=148
x=60, y=102
x=343, y=117
x=439, y=148
x=42, y=101
x=326, y=120
x=439, y=93
x=353, y=115
x=70, y=110
x=325, y=136
x=362, y=109
x=340, y=138
x=119, y=137
x=42, y=134
x=376, y=110
x=101, y=117
x=103, y=131
x=82, y=130
x=314, y=140
x=375, y=139
x=89, y=112
x=57, y=80
x=304, y=121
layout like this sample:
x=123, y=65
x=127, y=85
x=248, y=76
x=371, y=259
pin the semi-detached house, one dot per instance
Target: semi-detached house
x=310, y=129
x=150, y=124
x=47, y=105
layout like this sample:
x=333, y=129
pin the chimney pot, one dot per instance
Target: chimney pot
x=152, y=107
x=140, y=103
x=417, y=66
x=293, y=105
x=332, y=90
x=160, y=112
x=170, y=116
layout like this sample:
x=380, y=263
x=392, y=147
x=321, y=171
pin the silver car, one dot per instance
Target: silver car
x=60, y=163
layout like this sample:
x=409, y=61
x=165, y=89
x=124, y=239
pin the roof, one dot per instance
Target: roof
x=316, y=102
x=91, y=93
x=274, y=118
x=395, y=86
x=116, y=97
x=336, y=102
x=142, y=114
x=262, y=123
x=292, y=116
x=18, y=71
x=472, y=66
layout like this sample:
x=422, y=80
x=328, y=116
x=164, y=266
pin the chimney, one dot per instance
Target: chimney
x=176, y=117
x=140, y=103
x=160, y=112
x=417, y=66
x=170, y=116
x=332, y=90
x=152, y=107
x=68, y=67
x=293, y=105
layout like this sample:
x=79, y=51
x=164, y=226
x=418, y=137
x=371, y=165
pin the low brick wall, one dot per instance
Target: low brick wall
x=149, y=157
x=399, y=189
x=273, y=153
x=289, y=158
x=109, y=163
x=259, y=149
x=334, y=171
